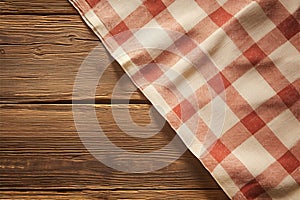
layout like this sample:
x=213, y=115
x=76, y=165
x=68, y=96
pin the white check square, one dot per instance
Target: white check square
x=253, y=87
x=254, y=156
x=224, y=179
x=286, y=127
x=287, y=59
x=222, y=2
x=153, y=38
x=94, y=20
x=187, y=13
x=255, y=21
x=124, y=8
x=190, y=140
x=157, y=100
x=291, y=5
x=218, y=116
x=221, y=49
x=187, y=77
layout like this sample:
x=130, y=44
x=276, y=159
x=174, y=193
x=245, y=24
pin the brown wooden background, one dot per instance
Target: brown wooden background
x=42, y=44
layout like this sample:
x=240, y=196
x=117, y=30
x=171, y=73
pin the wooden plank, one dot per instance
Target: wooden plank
x=40, y=57
x=40, y=149
x=36, y=7
x=53, y=29
x=130, y=194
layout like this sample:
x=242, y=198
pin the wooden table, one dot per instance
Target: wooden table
x=42, y=44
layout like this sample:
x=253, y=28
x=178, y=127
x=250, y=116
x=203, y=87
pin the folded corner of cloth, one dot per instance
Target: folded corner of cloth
x=224, y=74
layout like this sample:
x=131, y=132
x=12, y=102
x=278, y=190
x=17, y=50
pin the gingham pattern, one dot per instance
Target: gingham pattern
x=253, y=48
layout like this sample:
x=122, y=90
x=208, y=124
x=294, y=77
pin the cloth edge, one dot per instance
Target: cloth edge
x=98, y=34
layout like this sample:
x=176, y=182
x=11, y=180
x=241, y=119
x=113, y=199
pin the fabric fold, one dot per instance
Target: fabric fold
x=224, y=74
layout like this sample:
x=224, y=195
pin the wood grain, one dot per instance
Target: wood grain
x=41, y=56
x=40, y=148
x=36, y=7
x=42, y=44
x=120, y=194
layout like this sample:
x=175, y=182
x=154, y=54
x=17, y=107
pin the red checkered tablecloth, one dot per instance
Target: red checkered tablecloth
x=224, y=74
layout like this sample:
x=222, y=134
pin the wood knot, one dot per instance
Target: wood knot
x=39, y=51
x=2, y=51
x=71, y=37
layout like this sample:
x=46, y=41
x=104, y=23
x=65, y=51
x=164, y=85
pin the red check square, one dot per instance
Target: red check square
x=154, y=6
x=141, y=57
x=188, y=109
x=219, y=83
x=253, y=122
x=92, y=3
x=220, y=16
x=254, y=54
x=252, y=189
x=289, y=95
x=185, y=44
x=151, y=72
x=121, y=32
x=289, y=162
x=289, y=27
x=219, y=151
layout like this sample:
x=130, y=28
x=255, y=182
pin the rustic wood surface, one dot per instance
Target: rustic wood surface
x=120, y=194
x=42, y=44
x=40, y=57
x=39, y=7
